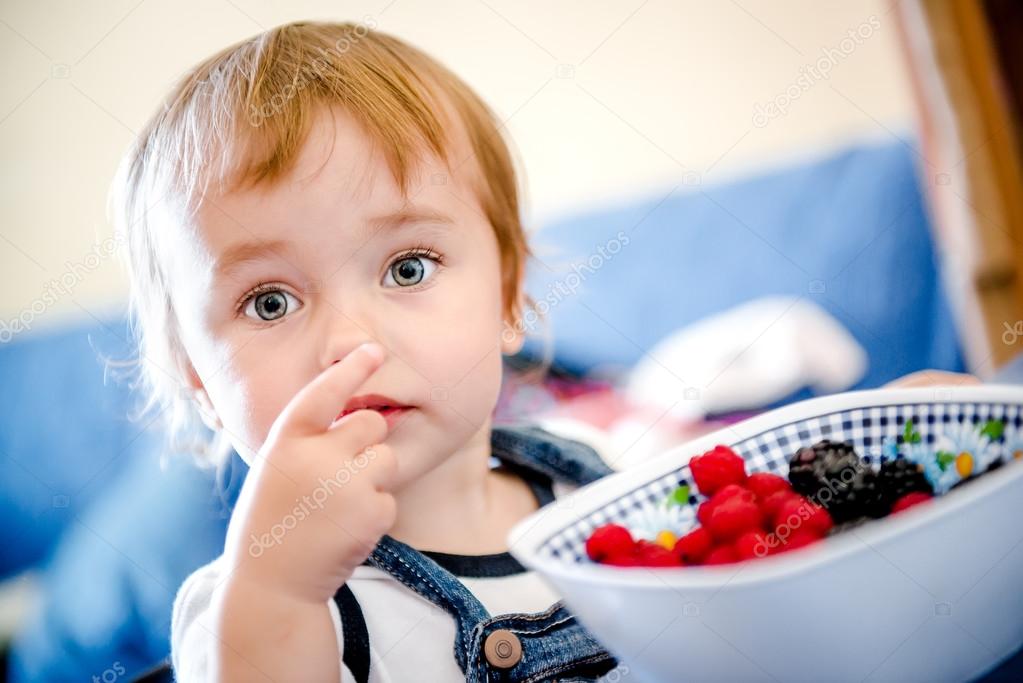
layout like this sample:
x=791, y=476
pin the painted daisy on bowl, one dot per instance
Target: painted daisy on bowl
x=1013, y=446
x=960, y=450
x=663, y=522
x=963, y=450
x=913, y=449
x=889, y=450
x=916, y=450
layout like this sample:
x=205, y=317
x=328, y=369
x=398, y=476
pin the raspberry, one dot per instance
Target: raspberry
x=909, y=500
x=752, y=545
x=820, y=520
x=798, y=513
x=722, y=554
x=729, y=491
x=763, y=484
x=717, y=468
x=609, y=541
x=799, y=539
x=774, y=501
x=732, y=516
x=694, y=546
x=654, y=555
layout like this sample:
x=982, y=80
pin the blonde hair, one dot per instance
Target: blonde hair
x=240, y=117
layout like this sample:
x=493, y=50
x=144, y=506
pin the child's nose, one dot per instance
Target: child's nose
x=342, y=333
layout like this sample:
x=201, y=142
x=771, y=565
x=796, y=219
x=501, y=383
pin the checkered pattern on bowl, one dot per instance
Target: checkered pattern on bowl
x=769, y=451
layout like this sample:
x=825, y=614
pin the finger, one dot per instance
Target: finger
x=314, y=408
x=359, y=430
x=932, y=378
x=385, y=512
x=375, y=518
x=383, y=469
x=388, y=512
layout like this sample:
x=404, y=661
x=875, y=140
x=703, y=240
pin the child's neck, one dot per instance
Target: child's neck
x=463, y=506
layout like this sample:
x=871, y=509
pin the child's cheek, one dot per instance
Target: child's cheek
x=256, y=384
x=459, y=334
x=471, y=368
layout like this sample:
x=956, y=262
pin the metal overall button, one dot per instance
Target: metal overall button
x=502, y=649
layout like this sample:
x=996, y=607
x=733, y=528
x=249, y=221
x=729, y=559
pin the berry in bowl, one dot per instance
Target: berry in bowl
x=862, y=536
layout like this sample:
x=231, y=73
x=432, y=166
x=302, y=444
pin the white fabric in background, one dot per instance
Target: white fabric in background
x=745, y=358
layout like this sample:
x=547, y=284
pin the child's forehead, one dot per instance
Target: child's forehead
x=338, y=154
x=339, y=178
x=337, y=150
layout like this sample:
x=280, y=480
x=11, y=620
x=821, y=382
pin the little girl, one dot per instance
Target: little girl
x=326, y=259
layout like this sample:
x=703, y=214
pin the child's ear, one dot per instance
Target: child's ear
x=197, y=392
x=512, y=337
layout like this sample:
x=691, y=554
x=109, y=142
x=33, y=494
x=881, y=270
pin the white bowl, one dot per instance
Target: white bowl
x=934, y=593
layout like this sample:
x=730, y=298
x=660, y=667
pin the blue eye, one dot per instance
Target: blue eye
x=270, y=305
x=410, y=270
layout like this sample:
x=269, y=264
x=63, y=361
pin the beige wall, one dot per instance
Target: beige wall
x=605, y=100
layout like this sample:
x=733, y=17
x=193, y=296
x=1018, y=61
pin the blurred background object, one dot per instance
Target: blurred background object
x=847, y=173
x=966, y=69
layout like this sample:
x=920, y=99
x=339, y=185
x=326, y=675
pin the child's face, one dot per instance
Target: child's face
x=336, y=277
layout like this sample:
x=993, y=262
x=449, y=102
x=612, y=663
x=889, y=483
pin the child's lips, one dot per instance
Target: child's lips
x=393, y=410
x=393, y=414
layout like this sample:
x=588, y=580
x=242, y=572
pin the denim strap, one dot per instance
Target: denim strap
x=560, y=459
x=427, y=578
x=556, y=645
x=566, y=646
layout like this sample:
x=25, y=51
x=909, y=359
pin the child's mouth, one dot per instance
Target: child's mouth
x=393, y=411
x=383, y=410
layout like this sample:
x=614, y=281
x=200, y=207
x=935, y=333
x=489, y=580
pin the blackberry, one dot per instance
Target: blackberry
x=851, y=524
x=833, y=475
x=899, y=477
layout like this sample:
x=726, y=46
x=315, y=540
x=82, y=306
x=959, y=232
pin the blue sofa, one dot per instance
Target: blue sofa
x=849, y=232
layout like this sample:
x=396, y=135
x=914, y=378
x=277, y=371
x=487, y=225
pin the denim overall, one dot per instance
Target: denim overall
x=549, y=645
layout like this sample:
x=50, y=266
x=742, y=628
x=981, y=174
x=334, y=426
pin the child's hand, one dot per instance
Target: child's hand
x=933, y=378
x=318, y=496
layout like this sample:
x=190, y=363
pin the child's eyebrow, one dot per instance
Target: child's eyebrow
x=246, y=252
x=409, y=215
x=236, y=256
